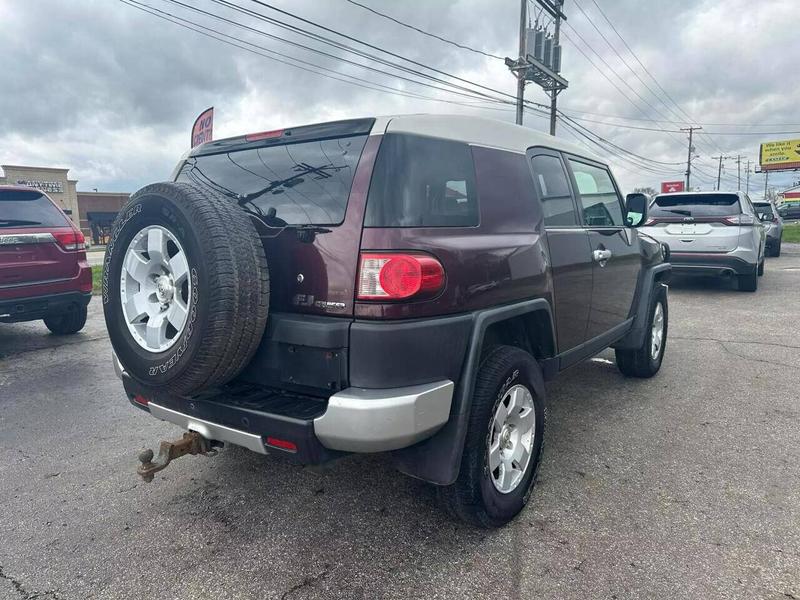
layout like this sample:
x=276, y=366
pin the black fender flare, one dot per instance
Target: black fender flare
x=648, y=280
x=438, y=459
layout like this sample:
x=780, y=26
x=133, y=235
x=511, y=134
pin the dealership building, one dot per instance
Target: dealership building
x=93, y=212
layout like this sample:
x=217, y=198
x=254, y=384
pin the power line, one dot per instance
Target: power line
x=423, y=32
x=350, y=79
x=641, y=64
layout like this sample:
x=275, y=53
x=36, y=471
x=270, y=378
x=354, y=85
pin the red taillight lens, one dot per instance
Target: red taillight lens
x=281, y=444
x=739, y=220
x=263, y=135
x=70, y=240
x=141, y=400
x=650, y=221
x=398, y=276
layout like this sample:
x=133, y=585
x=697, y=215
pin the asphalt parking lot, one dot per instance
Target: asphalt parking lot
x=683, y=486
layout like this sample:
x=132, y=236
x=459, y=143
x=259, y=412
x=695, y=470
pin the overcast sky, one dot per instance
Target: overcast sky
x=111, y=92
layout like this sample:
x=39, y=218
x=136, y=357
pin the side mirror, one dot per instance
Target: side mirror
x=636, y=207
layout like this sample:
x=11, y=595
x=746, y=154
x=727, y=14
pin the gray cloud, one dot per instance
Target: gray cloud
x=111, y=92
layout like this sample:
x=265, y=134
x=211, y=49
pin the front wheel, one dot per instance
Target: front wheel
x=504, y=440
x=646, y=360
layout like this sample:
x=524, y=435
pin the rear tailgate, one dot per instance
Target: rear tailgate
x=706, y=237
x=30, y=227
x=28, y=258
x=706, y=223
x=306, y=188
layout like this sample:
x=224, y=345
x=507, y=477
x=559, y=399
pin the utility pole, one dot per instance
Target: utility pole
x=554, y=92
x=539, y=58
x=747, y=189
x=523, y=18
x=766, y=182
x=739, y=172
x=691, y=131
x=719, y=169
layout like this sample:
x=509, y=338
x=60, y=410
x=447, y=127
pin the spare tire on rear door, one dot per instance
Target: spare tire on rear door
x=185, y=287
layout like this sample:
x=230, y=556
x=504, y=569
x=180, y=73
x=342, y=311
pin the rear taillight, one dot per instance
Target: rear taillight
x=649, y=221
x=70, y=240
x=739, y=220
x=399, y=276
x=141, y=400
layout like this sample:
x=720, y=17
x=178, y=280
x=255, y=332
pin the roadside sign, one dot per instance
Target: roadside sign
x=668, y=187
x=203, y=128
x=775, y=156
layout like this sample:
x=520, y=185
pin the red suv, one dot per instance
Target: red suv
x=43, y=268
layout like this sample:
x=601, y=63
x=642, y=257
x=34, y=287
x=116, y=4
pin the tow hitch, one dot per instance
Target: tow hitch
x=191, y=443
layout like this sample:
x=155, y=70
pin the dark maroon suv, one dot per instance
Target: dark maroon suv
x=43, y=268
x=401, y=285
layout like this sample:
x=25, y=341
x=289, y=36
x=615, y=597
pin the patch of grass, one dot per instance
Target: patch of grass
x=97, y=279
x=791, y=233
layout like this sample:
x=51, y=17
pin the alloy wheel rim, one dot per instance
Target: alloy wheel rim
x=510, y=443
x=657, y=332
x=155, y=288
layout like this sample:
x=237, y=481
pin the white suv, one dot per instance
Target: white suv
x=710, y=233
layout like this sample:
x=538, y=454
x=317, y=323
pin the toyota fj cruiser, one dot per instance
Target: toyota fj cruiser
x=401, y=285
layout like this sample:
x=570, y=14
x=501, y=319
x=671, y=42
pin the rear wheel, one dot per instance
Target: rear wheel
x=776, y=251
x=761, y=267
x=69, y=322
x=748, y=283
x=504, y=440
x=646, y=360
x=185, y=288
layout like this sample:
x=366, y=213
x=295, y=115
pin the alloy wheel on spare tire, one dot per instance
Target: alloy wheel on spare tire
x=185, y=287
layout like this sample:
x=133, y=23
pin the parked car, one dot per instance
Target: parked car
x=710, y=233
x=773, y=224
x=423, y=276
x=789, y=210
x=43, y=269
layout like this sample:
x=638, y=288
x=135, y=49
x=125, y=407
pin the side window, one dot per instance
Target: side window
x=553, y=190
x=599, y=201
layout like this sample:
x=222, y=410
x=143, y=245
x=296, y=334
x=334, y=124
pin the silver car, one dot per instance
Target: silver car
x=710, y=233
x=773, y=223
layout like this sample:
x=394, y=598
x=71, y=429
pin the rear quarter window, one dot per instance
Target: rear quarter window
x=422, y=182
x=23, y=208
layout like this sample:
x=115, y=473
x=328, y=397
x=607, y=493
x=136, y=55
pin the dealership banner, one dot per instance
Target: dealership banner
x=203, y=128
x=775, y=156
x=668, y=187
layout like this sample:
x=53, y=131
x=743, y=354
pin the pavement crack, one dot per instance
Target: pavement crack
x=307, y=582
x=20, y=588
x=744, y=342
x=29, y=350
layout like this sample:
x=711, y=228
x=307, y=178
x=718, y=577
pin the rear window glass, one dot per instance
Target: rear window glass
x=763, y=209
x=695, y=205
x=422, y=182
x=304, y=183
x=23, y=208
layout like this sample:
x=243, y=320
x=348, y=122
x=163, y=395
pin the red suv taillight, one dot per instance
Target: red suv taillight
x=739, y=220
x=70, y=240
x=398, y=276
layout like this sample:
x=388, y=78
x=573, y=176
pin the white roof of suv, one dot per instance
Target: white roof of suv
x=479, y=131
